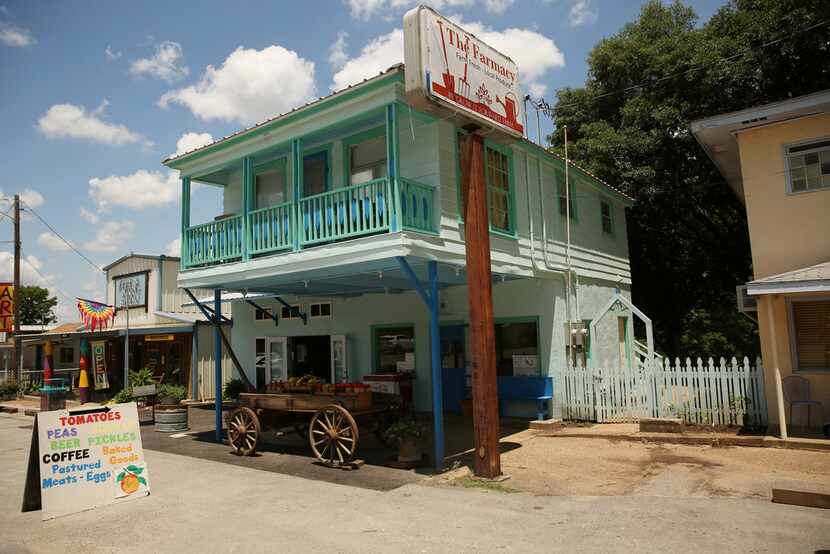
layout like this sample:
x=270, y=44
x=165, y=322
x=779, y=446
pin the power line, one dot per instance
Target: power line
x=46, y=280
x=546, y=108
x=6, y=214
x=69, y=244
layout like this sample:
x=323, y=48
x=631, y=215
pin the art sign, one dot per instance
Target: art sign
x=454, y=68
x=6, y=307
x=85, y=458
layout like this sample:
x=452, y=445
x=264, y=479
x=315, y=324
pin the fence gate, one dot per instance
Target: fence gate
x=723, y=393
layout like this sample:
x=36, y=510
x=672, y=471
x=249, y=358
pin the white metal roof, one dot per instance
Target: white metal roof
x=815, y=278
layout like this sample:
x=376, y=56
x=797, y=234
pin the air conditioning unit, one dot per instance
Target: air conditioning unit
x=746, y=303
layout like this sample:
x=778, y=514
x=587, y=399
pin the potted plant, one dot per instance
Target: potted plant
x=406, y=432
x=171, y=415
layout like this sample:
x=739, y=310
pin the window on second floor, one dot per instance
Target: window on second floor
x=264, y=314
x=291, y=312
x=566, y=199
x=607, y=216
x=367, y=160
x=808, y=166
x=497, y=172
x=270, y=184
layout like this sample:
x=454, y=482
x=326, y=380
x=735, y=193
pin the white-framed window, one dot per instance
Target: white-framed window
x=264, y=314
x=810, y=333
x=320, y=310
x=367, y=160
x=270, y=184
x=291, y=312
x=808, y=165
x=607, y=216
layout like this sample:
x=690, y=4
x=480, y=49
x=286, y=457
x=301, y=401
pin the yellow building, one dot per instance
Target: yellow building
x=776, y=157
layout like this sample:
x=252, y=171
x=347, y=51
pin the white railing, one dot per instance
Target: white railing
x=716, y=393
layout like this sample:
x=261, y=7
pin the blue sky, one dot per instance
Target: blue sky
x=94, y=95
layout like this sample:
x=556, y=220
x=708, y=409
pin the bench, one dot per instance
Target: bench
x=538, y=389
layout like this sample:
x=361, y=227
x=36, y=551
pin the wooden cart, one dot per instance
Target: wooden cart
x=327, y=420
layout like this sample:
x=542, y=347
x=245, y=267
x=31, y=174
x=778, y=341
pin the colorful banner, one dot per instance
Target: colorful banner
x=99, y=365
x=85, y=458
x=6, y=307
x=95, y=314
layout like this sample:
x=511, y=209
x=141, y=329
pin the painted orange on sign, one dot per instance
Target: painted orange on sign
x=6, y=307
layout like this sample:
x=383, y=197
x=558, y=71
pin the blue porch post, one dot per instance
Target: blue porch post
x=217, y=361
x=430, y=298
x=297, y=182
x=185, y=221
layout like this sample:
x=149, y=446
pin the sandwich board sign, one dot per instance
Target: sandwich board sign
x=451, y=69
x=84, y=458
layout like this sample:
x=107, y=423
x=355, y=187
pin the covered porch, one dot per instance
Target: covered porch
x=322, y=184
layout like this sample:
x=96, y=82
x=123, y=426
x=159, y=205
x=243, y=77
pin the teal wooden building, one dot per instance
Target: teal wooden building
x=341, y=216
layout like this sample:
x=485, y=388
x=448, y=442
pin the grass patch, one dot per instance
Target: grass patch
x=473, y=483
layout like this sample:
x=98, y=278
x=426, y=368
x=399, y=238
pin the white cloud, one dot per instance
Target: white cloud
x=192, y=141
x=142, y=189
x=582, y=12
x=497, y=6
x=174, y=247
x=32, y=198
x=89, y=216
x=250, y=86
x=165, y=64
x=11, y=35
x=111, y=236
x=534, y=53
x=51, y=241
x=69, y=120
x=366, y=9
x=337, y=51
x=29, y=269
x=111, y=54
x=378, y=55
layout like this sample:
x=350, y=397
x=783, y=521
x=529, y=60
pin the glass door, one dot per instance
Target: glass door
x=276, y=359
x=339, y=362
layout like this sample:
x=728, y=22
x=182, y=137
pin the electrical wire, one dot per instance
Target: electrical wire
x=69, y=244
x=47, y=280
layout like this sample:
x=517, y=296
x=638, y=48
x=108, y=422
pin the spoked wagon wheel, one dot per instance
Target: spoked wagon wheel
x=333, y=435
x=243, y=431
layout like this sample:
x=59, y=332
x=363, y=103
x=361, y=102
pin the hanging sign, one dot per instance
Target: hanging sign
x=6, y=307
x=450, y=67
x=99, y=365
x=85, y=458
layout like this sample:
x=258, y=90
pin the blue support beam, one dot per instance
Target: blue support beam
x=431, y=300
x=217, y=361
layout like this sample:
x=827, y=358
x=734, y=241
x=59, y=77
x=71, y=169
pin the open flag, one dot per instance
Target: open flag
x=95, y=314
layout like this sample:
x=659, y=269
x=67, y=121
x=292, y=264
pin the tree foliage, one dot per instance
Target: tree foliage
x=37, y=307
x=629, y=124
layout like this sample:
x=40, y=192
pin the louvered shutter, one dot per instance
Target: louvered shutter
x=811, y=322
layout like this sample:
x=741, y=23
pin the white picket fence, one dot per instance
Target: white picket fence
x=716, y=393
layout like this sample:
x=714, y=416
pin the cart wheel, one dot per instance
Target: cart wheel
x=333, y=435
x=243, y=431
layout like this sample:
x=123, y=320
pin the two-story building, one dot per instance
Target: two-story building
x=332, y=209
x=776, y=157
x=167, y=334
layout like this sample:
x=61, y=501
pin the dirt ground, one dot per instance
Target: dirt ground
x=555, y=466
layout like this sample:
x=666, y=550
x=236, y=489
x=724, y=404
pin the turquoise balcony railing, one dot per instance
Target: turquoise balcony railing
x=214, y=242
x=348, y=212
x=271, y=229
x=340, y=214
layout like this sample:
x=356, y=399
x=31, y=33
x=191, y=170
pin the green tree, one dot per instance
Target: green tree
x=629, y=124
x=37, y=307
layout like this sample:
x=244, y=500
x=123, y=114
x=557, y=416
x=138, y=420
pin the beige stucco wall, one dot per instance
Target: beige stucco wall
x=776, y=306
x=787, y=231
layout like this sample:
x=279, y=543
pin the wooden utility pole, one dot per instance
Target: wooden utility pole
x=18, y=353
x=480, y=297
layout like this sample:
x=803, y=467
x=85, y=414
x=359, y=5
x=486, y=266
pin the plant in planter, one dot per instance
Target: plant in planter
x=171, y=395
x=406, y=432
x=141, y=377
x=232, y=390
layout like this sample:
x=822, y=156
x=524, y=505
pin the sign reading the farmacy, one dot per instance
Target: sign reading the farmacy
x=457, y=69
x=85, y=458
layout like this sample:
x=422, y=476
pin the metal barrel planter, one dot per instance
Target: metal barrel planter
x=171, y=419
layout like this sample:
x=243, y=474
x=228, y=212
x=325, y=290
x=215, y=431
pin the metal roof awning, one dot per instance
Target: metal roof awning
x=815, y=278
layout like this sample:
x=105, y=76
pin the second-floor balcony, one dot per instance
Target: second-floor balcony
x=376, y=206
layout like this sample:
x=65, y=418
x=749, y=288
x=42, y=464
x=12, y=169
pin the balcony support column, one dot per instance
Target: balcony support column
x=185, y=251
x=297, y=187
x=247, y=204
x=393, y=165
